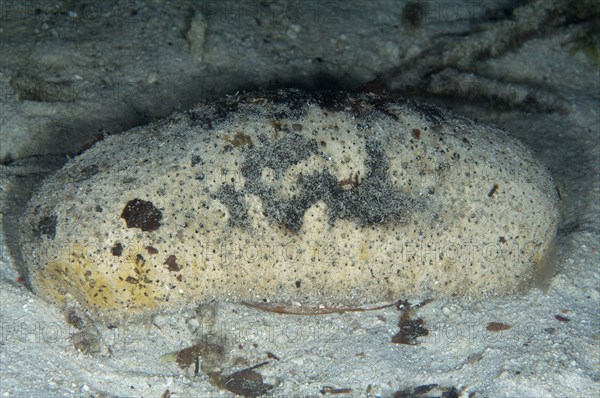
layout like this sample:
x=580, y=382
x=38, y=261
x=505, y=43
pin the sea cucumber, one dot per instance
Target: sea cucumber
x=324, y=197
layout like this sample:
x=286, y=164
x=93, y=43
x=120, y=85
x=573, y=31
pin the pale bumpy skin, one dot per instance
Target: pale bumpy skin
x=320, y=198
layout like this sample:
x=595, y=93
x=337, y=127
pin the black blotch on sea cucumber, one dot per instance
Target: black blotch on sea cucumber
x=196, y=160
x=117, y=249
x=46, y=226
x=141, y=214
x=171, y=262
x=376, y=201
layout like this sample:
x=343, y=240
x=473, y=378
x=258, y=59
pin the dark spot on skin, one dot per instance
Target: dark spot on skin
x=416, y=133
x=117, y=249
x=141, y=214
x=466, y=141
x=98, y=208
x=561, y=318
x=46, y=226
x=502, y=239
x=132, y=280
x=493, y=191
x=298, y=284
x=171, y=262
x=196, y=160
x=151, y=250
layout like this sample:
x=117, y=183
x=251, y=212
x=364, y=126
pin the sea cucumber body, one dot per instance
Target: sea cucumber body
x=320, y=198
